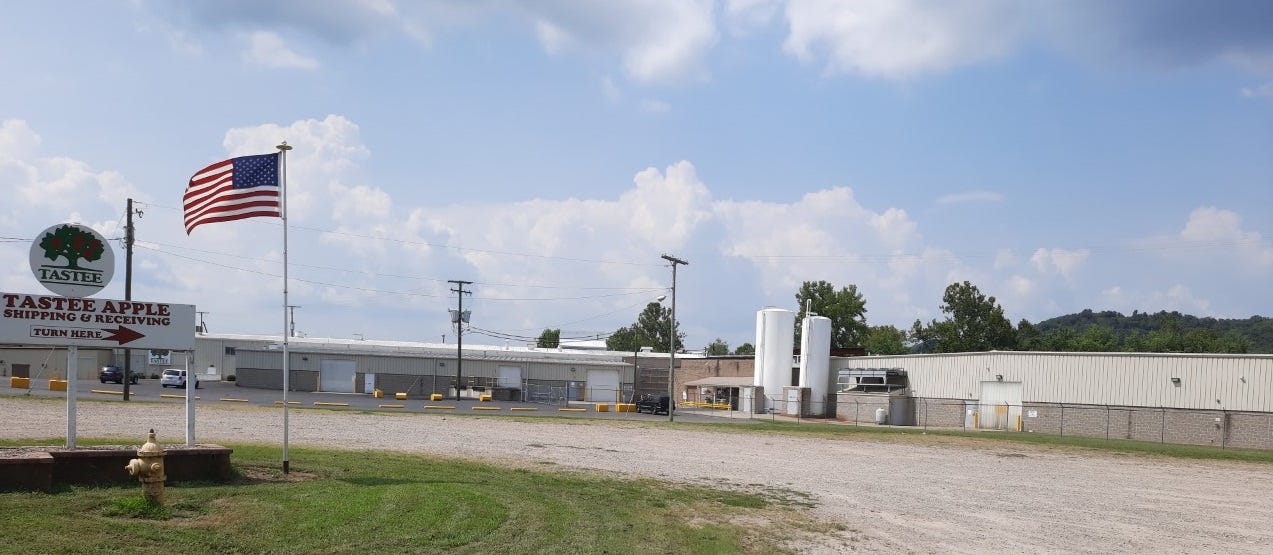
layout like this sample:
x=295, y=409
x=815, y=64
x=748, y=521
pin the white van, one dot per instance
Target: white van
x=176, y=377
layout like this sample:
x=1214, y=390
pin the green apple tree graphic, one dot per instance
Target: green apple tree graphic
x=72, y=243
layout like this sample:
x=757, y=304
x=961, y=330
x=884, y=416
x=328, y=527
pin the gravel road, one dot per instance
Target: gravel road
x=918, y=494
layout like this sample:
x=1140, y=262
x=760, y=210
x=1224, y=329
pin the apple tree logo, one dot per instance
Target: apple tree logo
x=89, y=262
x=72, y=243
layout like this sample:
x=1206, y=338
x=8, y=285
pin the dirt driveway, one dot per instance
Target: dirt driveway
x=911, y=495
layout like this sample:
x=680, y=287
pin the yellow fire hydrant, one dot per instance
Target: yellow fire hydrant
x=149, y=468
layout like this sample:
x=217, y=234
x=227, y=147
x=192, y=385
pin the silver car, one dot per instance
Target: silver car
x=175, y=377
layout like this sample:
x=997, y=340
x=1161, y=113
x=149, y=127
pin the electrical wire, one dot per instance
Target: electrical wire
x=403, y=293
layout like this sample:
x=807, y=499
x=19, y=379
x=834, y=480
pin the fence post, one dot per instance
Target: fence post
x=857, y=413
x=925, y=400
x=1163, y=422
x=1106, y=422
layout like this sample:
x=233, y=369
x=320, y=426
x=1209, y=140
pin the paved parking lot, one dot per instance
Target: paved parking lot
x=226, y=393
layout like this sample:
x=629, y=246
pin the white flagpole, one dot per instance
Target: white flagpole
x=282, y=175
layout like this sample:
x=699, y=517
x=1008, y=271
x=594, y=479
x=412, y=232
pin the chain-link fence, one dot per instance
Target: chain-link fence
x=1218, y=427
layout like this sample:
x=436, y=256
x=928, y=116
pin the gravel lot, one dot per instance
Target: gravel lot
x=924, y=495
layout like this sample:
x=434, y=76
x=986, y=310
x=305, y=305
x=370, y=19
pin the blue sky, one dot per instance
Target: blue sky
x=1059, y=155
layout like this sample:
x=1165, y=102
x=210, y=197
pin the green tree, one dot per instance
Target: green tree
x=549, y=339
x=845, y=307
x=1028, y=337
x=885, y=340
x=718, y=348
x=974, y=322
x=650, y=330
x=745, y=349
x=1096, y=339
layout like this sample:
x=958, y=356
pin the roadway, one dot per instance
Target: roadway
x=227, y=393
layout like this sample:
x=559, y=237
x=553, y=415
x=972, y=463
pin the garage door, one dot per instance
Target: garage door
x=337, y=376
x=603, y=386
x=510, y=376
x=1000, y=405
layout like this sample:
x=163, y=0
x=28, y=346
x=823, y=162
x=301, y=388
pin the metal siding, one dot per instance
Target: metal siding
x=1098, y=379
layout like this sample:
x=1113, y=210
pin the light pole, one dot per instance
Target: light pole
x=671, y=342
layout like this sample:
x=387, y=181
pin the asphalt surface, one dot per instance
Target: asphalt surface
x=226, y=393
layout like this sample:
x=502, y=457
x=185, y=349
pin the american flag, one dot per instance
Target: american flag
x=234, y=189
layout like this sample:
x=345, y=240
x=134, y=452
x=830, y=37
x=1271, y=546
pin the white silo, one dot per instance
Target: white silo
x=815, y=360
x=775, y=338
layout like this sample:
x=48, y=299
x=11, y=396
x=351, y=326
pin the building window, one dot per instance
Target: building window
x=229, y=351
x=871, y=380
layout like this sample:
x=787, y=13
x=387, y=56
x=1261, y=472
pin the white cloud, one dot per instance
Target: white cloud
x=1021, y=286
x=1060, y=261
x=657, y=40
x=1005, y=259
x=1260, y=91
x=1221, y=231
x=900, y=38
x=17, y=140
x=970, y=196
x=267, y=49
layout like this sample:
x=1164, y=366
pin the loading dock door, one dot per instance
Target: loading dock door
x=1000, y=405
x=337, y=376
x=509, y=376
x=603, y=386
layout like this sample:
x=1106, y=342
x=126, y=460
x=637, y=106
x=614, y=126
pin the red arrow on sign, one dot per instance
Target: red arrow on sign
x=123, y=335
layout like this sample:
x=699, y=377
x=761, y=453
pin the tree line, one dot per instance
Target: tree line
x=972, y=321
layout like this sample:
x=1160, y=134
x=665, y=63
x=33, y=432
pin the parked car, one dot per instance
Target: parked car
x=653, y=404
x=115, y=374
x=176, y=377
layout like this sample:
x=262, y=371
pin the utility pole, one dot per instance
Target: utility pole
x=459, y=318
x=671, y=342
x=128, y=287
x=203, y=328
x=291, y=316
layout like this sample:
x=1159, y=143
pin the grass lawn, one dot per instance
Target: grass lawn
x=368, y=502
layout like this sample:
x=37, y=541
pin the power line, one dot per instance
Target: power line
x=445, y=246
x=403, y=293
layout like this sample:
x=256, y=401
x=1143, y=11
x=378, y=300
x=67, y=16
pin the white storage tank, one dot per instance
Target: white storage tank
x=815, y=360
x=775, y=342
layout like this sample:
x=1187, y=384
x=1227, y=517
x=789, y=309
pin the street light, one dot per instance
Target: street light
x=671, y=343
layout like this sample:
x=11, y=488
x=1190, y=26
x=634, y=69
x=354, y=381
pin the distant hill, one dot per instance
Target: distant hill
x=1158, y=332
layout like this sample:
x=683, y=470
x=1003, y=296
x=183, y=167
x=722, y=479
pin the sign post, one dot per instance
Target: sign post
x=82, y=322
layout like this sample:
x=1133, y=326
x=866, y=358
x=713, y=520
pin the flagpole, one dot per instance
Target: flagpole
x=282, y=173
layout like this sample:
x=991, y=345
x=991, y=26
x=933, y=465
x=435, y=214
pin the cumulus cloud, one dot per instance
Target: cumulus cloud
x=266, y=49
x=970, y=196
x=40, y=191
x=657, y=41
x=900, y=38
x=1059, y=261
x=1222, y=230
